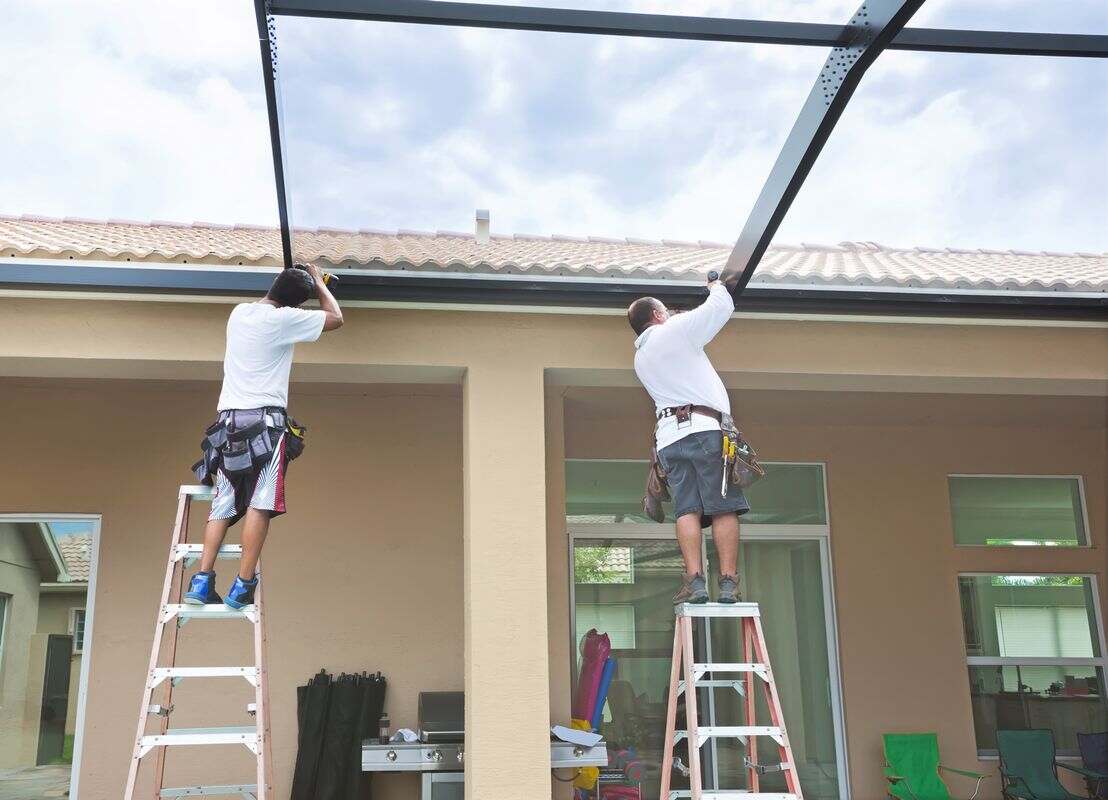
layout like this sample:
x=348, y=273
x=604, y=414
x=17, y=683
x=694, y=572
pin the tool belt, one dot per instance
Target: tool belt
x=740, y=460
x=243, y=438
x=684, y=413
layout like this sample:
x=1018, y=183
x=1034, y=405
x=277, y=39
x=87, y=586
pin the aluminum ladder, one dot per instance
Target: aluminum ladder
x=686, y=672
x=173, y=614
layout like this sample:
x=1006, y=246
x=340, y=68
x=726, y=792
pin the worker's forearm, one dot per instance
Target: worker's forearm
x=327, y=300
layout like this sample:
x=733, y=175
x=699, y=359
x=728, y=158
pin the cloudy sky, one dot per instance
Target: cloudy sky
x=141, y=110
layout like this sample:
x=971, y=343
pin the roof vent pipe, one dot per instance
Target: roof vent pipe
x=482, y=226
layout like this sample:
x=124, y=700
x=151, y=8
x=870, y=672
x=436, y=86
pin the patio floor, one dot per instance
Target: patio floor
x=34, y=783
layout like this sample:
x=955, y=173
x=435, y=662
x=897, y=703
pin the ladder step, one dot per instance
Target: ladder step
x=730, y=793
x=705, y=732
x=180, y=737
x=198, y=492
x=717, y=610
x=187, y=611
x=192, y=551
x=244, y=789
x=758, y=669
x=160, y=674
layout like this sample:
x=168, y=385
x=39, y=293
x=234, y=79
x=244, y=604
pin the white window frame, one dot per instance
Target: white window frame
x=750, y=532
x=78, y=648
x=5, y=606
x=1039, y=547
x=1097, y=662
x=90, y=617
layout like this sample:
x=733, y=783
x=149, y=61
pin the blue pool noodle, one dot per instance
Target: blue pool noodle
x=602, y=693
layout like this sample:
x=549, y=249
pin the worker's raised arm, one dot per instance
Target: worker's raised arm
x=705, y=321
x=327, y=301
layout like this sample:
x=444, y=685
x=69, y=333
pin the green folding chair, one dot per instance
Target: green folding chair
x=1029, y=767
x=913, y=770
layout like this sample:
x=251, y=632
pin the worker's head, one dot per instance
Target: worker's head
x=646, y=311
x=292, y=287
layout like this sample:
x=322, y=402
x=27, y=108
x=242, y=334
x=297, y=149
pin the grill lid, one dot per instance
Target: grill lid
x=442, y=716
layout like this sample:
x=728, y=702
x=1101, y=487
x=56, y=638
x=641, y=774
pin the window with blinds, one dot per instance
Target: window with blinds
x=1035, y=655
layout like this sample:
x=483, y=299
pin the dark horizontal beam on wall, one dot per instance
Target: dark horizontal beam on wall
x=672, y=26
x=378, y=284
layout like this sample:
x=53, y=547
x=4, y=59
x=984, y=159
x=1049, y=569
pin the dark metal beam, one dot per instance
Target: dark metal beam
x=1011, y=43
x=380, y=283
x=671, y=26
x=874, y=25
x=267, y=39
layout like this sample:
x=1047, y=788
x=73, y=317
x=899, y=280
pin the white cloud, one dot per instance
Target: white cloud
x=148, y=112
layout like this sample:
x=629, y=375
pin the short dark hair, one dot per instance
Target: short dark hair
x=291, y=287
x=641, y=312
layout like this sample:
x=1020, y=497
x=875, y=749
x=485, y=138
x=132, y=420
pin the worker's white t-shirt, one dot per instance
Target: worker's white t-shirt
x=673, y=367
x=260, y=338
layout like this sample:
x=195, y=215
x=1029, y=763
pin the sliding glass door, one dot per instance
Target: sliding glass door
x=625, y=572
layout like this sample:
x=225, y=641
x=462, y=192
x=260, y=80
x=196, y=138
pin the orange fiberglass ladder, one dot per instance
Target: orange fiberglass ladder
x=173, y=614
x=686, y=672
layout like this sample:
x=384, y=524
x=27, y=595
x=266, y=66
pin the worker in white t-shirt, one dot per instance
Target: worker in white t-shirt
x=248, y=448
x=690, y=402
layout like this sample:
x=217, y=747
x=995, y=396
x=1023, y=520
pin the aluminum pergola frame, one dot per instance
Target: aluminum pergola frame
x=876, y=26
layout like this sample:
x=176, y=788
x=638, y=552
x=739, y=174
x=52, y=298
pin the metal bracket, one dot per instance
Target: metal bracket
x=871, y=29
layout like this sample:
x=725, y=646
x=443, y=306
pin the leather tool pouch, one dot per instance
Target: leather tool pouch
x=294, y=438
x=657, y=490
x=745, y=468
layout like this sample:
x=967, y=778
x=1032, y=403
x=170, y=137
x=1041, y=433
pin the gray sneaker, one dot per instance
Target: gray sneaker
x=694, y=589
x=729, y=589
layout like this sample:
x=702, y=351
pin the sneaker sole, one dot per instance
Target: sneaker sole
x=728, y=601
x=235, y=605
x=193, y=601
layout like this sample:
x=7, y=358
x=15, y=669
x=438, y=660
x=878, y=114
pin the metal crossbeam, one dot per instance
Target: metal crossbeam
x=673, y=26
x=873, y=25
x=267, y=40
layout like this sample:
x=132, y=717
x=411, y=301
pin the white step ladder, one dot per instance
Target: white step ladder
x=686, y=673
x=174, y=614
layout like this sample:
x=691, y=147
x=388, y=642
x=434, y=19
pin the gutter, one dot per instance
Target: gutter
x=426, y=287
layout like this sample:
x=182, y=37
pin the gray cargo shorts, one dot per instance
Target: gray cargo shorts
x=694, y=471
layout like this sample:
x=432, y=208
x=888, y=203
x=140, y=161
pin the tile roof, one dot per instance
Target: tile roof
x=861, y=264
x=76, y=552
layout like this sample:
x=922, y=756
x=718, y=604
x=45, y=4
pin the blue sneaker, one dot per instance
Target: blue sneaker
x=241, y=593
x=202, y=590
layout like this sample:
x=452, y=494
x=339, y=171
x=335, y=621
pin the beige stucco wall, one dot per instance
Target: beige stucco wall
x=19, y=578
x=363, y=558
x=361, y=516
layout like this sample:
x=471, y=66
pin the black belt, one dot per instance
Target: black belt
x=684, y=411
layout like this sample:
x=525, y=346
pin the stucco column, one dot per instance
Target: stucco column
x=507, y=676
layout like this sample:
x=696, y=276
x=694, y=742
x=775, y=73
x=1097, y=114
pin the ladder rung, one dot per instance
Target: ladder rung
x=178, y=737
x=717, y=610
x=699, y=670
x=705, y=732
x=730, y=793
x=199, y=492
x=191, y=551
x=244, y=789
x=160, y=674
x=187, y=611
